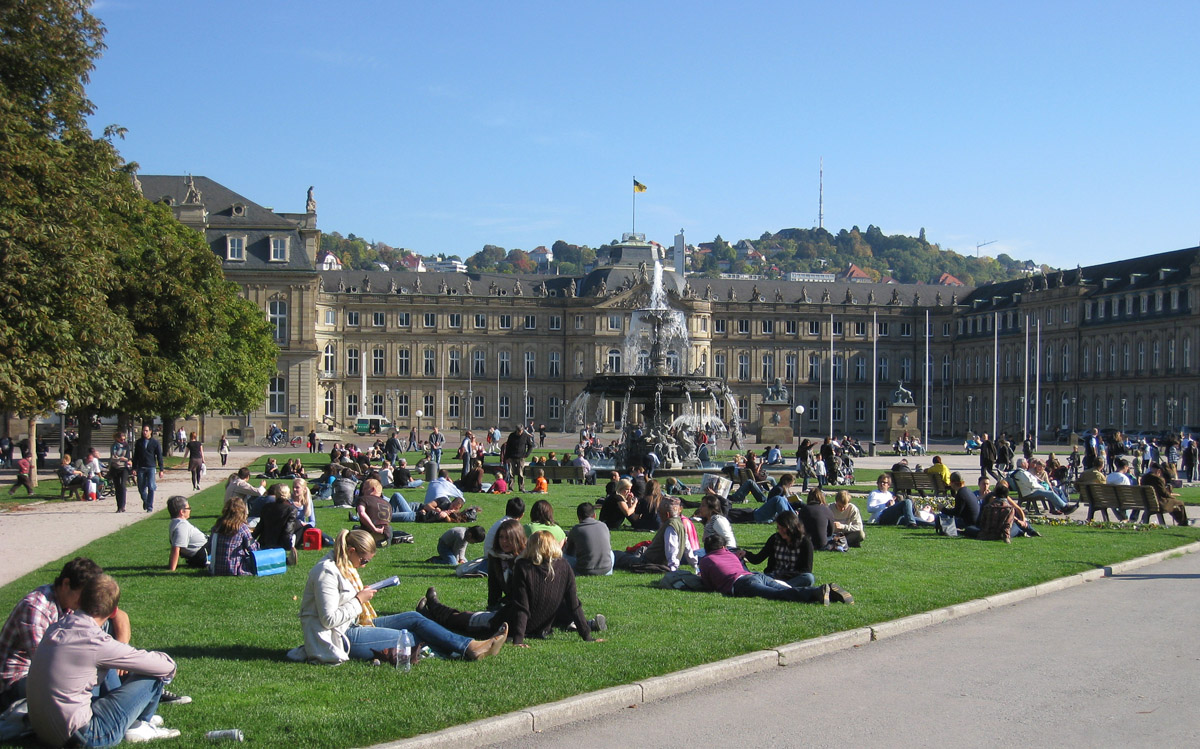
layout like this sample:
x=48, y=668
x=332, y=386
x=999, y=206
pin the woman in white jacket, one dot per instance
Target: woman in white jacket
x=339, y=622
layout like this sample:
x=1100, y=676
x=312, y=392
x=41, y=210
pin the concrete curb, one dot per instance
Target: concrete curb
x=580, y=707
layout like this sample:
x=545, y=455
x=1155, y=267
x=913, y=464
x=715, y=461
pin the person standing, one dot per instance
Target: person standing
x=312, y=440
x=148, y=463
x=517, y=448
x=223, y=449
x=195, y=451
x=118, y=468
x=987, y=457
x=391, y=448
x=436, y=440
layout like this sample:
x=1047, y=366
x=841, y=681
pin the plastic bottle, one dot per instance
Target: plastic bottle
x=404, y=650
x=232, y=734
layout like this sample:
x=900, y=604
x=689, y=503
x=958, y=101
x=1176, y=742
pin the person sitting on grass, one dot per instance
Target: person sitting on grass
x=668, y=549
x=712, y=514
x=541, y=517
x=888, y=509
x=271, y=471
x=231, y=542
x=772, y=505
x=302, y=501
x=277, y=525
x=674, y=486
x=619, y=504
x=1001, y=513
x=375, y=513
x=541, y=596
x=66, y=668
x=818, y=522
x=504, y=542
x=187, y=541
x=499, y=485
x=965, y=510
x=540, y=485
x=788, y=552
x=238, y=485
x=589, y=545
x=722, y=571
x=472, y=480
x=339, y=622
x=645, y=516
x=847, y=520
x=452, y=546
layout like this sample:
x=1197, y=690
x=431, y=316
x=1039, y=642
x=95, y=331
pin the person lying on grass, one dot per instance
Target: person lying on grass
x=722, y=571
x=788, y=552
x=541, y=596
x=775, y=503
x=340, y=623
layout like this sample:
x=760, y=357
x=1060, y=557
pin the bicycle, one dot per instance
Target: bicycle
x=277, y=441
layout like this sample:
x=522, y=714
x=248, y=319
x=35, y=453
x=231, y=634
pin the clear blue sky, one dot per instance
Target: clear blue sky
x=1065, y=131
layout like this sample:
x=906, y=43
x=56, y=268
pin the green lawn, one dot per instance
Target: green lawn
x=230, y=635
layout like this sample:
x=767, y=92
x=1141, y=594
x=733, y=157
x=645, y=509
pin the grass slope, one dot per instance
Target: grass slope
x=230, y=635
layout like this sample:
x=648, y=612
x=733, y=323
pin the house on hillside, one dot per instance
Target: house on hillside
x=543, y=257
x=948, y=280
x=854, y=274
x=414, y=263
x=327, y=260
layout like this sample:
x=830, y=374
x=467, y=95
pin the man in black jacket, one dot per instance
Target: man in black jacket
x=517, y=448
x=148, y=465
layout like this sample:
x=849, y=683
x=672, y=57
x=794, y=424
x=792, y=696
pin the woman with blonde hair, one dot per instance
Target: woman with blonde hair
x=232, y=543
x=847, y=520
x=541, y=596
x=302, y=499
x=340, y=623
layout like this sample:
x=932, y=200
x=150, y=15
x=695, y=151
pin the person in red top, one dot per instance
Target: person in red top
x=23, y=468
x=722, y=571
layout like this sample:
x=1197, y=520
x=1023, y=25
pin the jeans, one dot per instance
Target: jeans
x=1055, y=501
x=899, y=513
x=386, y=634
x=445, y=554
x=748, y=487
x=759, y=585
x=436, y=456
x=112, y=714
x=803, y=580
x=770, y=508
x=402, y=511
x=146, y=486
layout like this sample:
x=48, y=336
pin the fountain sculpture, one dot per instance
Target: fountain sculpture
x=662, y=402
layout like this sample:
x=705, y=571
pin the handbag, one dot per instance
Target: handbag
x=946, y=526
x=267, y=562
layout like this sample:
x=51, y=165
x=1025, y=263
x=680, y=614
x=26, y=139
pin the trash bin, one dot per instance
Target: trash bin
x=431, y=471
x=872, y=450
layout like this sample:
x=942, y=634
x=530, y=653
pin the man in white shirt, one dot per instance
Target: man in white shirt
x=441, y=487
x=1120, y=477
x=1028, y=485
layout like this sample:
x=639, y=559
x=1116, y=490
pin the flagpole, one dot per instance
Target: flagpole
x=634, y=231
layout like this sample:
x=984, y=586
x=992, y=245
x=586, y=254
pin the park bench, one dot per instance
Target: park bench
x=556, y=473
x=906, y=483
x=1132, y=499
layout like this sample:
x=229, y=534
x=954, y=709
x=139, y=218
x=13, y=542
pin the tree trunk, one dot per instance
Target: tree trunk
x=33, y=473
x=85, y=431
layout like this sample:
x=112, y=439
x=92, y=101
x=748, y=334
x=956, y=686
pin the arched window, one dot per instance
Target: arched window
x=277, y=316
x=643, y=361
x=329, y=359
x=330, y=404
x=614, y=361
x=673, y=362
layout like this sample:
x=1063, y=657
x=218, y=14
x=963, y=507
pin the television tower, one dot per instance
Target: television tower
x=821, y=195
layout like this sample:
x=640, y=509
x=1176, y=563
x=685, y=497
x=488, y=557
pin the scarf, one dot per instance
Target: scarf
x=367, y=617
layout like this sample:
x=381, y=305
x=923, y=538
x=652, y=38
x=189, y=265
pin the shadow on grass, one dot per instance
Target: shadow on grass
x=230, y=653
x=1165, y=576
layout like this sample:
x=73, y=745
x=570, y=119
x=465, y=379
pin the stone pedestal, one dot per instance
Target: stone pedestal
x=774, y=424
x=902, y=417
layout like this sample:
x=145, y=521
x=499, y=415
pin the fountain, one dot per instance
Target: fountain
x=667, y=404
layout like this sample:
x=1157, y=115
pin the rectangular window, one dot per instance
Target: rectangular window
x=505, y=408
x=555, y=322
x=430, y=367
x=278, y=318
x=478, y=407
x=838, y=327
x=719, y=366
x=377, y=365
x=555, y=408
x=455, y=320
x=351, y=361
x=703, y=324
x=791, y=368
x=235, y=248
x=945, y=330
x=453, y=407
x=1174, y=299
x=506, y=322
x=430, y=320
x=883, y=368
x=404, y=363
x=480, y=322
x=479, y=363
x=579, y=322
x=331, y=317
x=403, y=319
x=276, y=396
x=744, y=367
x=860, y=329
x=279, y=249
x=814, y=368
x=530, y=364
x=860, y=369
x=837, y=409
x=377, y=319
x=768, y=327
x=530, y=322
x=427, y=406
x=351, y=405
x=814, y=327
x=505, y=364
x=814, y=410
x=768, y=367
x=455, y=363
x=352, y=319
x=614, y=322
x=719, y=325
x=377, y=404
x=883, y=329
x=791, y=327
x=743, y=327
x=743, y=404
x=838, y=368
x=906, y=329
x=402, y=406
x=555, y=364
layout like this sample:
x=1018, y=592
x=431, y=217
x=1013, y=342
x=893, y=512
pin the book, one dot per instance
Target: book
x=385, y=583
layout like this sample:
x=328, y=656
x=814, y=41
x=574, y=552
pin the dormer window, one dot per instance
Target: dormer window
x=279, y=249
x=235, y=248
x=238, y=210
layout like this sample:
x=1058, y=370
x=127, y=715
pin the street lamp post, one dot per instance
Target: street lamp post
x=970, y=408
x=1124, y=415
x=1073, y=399
x=420, y=413
x=61, y=406
x=799, y=412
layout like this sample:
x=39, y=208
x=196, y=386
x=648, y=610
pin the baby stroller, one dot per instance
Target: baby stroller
x=844, y=466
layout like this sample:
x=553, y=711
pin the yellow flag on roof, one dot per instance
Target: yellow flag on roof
x=638, y=186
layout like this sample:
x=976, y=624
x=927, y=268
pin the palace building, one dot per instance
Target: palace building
x=1105, y=345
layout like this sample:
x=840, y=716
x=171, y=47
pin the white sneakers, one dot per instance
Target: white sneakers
x=149, y=730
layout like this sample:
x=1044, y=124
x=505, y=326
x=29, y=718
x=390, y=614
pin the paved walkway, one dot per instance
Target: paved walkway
x=36, y=534
x=1107, y=663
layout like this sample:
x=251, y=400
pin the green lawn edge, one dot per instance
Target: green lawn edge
x=229, y=635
